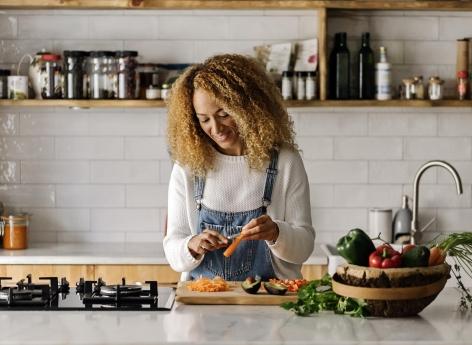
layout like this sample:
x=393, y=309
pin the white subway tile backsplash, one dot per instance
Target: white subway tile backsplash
x=124, y=172
x=368, y=148
x=264, y=27
x=93, y=196
x=331, y=124
x=101, y=175
x=28, y=195
x=59, y=219
x=211, y=27
x=336, y=171
x=52, y=27
x=9, y=172
x=9, y=123
x=8, y=26
x=400, y=172
x=316, y=148
x=124, y=220
x=27, y=148
x=438, y=148
x=122, y=27
x=89, y=148
x=367, y=195
x=430, y=52
x=47, y=171
x=403, y=124
x=154, y=195
x=60, y=124
x=146, y=148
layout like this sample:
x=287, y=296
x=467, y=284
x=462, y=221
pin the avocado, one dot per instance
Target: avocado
x=251, y=285
x=275, y=288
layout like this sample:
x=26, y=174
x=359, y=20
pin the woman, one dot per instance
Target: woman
x=237, y=171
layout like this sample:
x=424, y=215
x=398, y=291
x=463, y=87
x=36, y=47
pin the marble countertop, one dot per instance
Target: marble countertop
x=439, y=323
x=102, y=253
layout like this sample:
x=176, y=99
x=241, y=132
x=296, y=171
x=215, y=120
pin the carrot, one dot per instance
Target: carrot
x=232, y=247
x=436, y=256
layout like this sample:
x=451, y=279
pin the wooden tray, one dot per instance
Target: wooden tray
x=389, y=294
x=235, y=296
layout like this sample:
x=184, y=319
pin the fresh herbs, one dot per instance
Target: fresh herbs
x=318, y=295
x=459, y=247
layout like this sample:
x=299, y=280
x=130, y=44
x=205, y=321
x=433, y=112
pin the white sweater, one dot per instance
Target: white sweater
x=232, y=187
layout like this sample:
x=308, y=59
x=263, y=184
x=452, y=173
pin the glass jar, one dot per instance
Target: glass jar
x=419, y=87
x=102, y=75
x=408, y=89
x=75, y=74
x=4, y=73
x=165, y=91
x=15, y=231
x=435, y=88
x=287, y=87
x=51, y=77
x=148, y=75
x=462, y=84
x=310, y=84
x=126, y=69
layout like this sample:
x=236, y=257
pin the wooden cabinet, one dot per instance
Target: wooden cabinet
x=114, y=273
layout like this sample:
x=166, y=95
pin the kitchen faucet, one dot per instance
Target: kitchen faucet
x=416, y=184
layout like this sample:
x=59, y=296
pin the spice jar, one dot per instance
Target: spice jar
x=126, y=68
x=419, y=87
x=287, y=87
x=74, y=74
x=408, y=89
x=4, y=73
x=435, y=88
x=15, y=231
x=102, y=74
x=51, y=76
x=462, y=84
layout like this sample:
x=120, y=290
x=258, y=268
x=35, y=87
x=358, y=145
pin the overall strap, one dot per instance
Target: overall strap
x=270, y=179
x=199, y=186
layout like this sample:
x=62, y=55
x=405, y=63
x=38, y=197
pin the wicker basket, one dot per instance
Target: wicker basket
x=392, y=292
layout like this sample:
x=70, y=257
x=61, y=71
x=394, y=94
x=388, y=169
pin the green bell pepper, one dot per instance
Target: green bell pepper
x=417, y=256
x=356, y=247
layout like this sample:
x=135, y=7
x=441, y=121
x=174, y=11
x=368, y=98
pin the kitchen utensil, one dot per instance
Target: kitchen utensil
x=380, y=222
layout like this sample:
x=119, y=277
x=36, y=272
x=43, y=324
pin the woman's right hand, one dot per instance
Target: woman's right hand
x=206, y=241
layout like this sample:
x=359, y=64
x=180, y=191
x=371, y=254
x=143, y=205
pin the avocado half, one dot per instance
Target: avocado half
x=251, y=285
x=275, y=288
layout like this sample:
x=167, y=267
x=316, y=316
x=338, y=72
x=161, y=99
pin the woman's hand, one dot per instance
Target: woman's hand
x=206, y=241
x=261, y=228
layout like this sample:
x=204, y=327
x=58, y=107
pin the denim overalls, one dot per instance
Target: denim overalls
x=251, y=257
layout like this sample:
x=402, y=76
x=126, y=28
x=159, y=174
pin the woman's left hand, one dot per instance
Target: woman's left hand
x=261, y=228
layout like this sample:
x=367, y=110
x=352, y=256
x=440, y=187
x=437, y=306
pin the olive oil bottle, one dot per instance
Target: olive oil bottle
x=339, y=68
x=366, y=68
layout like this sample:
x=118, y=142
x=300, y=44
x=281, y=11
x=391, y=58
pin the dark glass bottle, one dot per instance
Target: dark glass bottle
x=339, y=68
x=366, y=69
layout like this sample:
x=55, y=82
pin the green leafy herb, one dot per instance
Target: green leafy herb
x=318, y=295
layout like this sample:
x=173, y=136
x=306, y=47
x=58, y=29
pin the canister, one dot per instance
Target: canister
x=435, y=88
x=15, y=231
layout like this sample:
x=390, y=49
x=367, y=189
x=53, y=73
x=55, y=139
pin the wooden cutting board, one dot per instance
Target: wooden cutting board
x=235, y=296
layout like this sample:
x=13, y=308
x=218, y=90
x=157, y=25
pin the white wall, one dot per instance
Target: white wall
x=101, y=174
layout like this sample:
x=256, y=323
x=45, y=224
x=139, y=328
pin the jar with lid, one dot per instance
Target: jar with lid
x=287, y=86
x=301, y=85
x=462, y=84
x=408, y=89
x=153, y=92
x=102, y=75
x=51, y=76
x=15, y=231
x=165, y=91
x=75, y=74
x=435, y=88
x=419, y=87
x=126, y=67
x=310, y=84
x=148, y=75
x=4, y=73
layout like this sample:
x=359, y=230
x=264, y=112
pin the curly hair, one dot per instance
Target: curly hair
x=243, y=89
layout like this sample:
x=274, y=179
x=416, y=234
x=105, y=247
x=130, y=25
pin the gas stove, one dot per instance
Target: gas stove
x=56, y=294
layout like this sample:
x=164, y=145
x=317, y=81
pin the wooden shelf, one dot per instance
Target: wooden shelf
x=86, y=103
x=240, y=4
